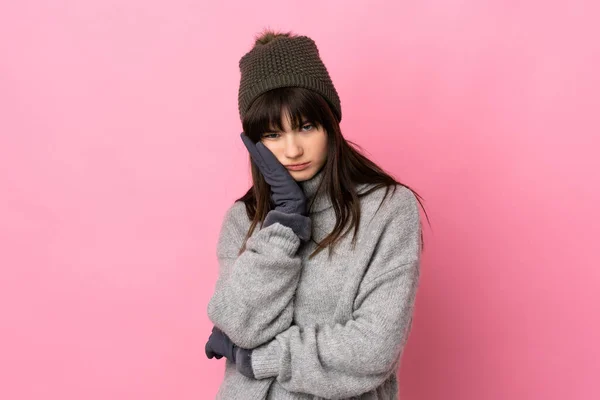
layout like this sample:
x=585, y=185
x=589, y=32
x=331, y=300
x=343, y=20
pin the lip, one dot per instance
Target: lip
x=298, y=167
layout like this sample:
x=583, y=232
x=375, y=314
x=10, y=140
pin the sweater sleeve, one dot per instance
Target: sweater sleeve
x=253, y=297
x=346, y=360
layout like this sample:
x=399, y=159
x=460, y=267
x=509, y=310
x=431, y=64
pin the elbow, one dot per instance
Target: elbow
x=385, y=357
x=376, y=362
x=217, y=312
x=383, y=366
x=374, y=376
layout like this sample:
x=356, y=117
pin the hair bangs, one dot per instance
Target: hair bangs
x=267, y=112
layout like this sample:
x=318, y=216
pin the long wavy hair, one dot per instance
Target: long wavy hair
x=344, y=168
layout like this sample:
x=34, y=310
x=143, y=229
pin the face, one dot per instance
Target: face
x=307, y=144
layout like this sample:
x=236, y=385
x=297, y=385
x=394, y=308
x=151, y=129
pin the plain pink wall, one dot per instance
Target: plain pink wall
x=120, y=152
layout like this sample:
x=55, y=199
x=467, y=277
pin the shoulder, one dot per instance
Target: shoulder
x=394, y=232
x=396, y=202
x=236, y=212
x=236, y=217
x=405, y=202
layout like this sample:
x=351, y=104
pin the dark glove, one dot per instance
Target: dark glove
x=287, y=195
x=220, y=345
x=289, y=198
x=244, y=363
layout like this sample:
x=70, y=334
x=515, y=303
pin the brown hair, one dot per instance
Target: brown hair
x=345, y=166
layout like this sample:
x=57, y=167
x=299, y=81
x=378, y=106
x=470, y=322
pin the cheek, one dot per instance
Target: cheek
x=269, y=145
x=323, y=148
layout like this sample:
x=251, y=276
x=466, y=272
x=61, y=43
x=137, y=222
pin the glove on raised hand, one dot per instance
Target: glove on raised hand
x=289, y=198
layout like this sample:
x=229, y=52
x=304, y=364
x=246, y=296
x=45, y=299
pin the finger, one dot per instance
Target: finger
x=276, y=180
x=279, y=173
x=251, y=147
x=268, y=157
x=218, y=356
x=209, y=352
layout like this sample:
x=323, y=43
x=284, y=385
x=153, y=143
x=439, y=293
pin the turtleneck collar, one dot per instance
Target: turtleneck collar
x=322, y=200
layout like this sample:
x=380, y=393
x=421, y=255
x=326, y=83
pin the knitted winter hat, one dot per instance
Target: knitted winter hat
x=284, y=62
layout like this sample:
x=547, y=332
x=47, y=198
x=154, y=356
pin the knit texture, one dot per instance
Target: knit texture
x=320, y=328
x=285, y=62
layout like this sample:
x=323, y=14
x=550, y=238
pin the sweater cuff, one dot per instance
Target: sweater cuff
x=266, y=360
x=300, y=224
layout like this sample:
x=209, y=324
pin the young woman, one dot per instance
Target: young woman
x=317, y=301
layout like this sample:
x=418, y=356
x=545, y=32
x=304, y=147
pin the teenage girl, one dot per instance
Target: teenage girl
x=319, y=260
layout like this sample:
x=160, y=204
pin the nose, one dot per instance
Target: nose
x=293, y=149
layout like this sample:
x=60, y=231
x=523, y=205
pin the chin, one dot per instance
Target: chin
x=300, y=176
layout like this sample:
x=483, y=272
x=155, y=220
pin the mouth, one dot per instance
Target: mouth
x=298, y=167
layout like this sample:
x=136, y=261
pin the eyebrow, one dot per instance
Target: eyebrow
x=302, y=123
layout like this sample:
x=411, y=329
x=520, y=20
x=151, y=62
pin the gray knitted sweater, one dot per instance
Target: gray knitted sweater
x=320, y=328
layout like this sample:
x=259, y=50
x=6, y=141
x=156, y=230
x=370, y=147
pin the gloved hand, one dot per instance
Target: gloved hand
x=287, y=195
x=220, y=345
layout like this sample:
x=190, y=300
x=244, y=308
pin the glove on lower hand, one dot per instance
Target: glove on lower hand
x=220, y=345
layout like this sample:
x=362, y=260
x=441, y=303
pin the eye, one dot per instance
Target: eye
x=308, y=124
x=269, y=136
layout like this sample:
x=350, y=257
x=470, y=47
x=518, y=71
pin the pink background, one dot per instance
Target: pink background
x=119, y=154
